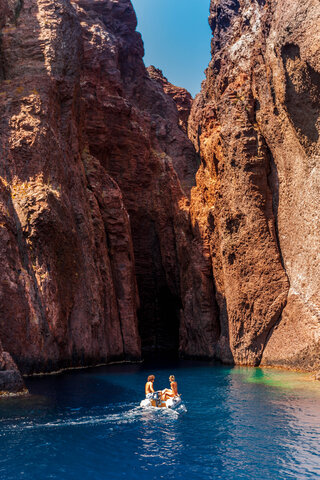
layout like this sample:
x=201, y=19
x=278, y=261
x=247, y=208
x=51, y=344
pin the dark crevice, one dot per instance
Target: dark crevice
x=235, y=6
x=18, y=8
x=159, y=314
x=273, y=184
x=221, y=16
x=274, y=325
x=114, y=277
x=2, y=62
x=226, y=355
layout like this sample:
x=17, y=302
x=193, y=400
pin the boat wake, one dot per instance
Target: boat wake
x=111, y=415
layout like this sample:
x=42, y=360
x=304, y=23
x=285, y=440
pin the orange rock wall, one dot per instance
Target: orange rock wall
x=256, y=127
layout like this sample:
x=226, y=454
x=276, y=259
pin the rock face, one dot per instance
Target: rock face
x=97, y=251
x=136, y=132
x=10, y=377
x=114, y=239
x=68, y=293
x=256, y=127
x=180, y=96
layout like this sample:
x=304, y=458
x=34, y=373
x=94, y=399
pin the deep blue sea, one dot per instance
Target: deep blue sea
x=236, y=423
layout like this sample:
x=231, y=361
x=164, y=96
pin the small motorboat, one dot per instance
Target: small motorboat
x=154, y=400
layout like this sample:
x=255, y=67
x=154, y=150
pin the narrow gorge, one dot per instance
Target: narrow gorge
x=136, y=221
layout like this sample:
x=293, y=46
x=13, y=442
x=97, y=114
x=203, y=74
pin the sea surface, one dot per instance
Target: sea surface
x=235, y=423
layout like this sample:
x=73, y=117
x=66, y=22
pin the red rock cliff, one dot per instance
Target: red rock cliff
x=107, y=241
x=97, y=251
x=181, y=96
x=68, y=293
x=256, y=127
x=133, y=128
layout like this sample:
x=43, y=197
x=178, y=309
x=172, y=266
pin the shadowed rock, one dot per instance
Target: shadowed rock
x=10, y=377
x=96, y=245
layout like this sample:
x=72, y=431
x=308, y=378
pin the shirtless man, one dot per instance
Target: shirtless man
x=149, y=387
x=170, y=393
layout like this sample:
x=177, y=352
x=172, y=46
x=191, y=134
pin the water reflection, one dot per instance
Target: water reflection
x=278, y=421
x=242, y=423
x=302, y=435
x=159, y=442
x=302, y=383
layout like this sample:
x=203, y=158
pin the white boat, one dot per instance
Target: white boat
x=154, y=400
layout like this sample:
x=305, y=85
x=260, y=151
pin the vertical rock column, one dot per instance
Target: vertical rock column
x=66, y=298
x=287, y=86
x=232, y=204
x=135, y=131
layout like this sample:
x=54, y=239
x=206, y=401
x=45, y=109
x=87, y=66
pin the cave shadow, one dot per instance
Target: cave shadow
x=160, y=303
x=220, y=323
x=274, y=187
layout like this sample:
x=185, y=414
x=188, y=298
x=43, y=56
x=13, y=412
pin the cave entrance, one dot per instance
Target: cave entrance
x=158, y=286
x=159, y=324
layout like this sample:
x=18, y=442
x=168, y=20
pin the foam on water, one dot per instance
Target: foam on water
x=126, y=413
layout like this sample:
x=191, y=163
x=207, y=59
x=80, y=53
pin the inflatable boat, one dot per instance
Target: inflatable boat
x=154, y=400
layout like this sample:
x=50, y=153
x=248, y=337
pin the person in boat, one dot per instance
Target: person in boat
x=150, y=393
x=170, y=392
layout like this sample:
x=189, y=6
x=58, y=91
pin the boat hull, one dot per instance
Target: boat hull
x=171, y=403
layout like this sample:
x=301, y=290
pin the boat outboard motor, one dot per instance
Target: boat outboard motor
x=158, y=398
x=155, y=396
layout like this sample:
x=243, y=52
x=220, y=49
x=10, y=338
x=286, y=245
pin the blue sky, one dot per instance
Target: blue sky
x=176, y=38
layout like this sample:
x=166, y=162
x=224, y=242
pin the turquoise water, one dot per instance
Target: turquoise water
x=236, y=423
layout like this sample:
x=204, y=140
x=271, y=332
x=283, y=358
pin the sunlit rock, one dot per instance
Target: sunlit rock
x=256, y=127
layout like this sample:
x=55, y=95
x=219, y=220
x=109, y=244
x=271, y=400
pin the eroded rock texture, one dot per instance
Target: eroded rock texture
x=96, y=247
x=256, y=126
x=10, y=377
x=111, y=234
x=136, y=131
x=68, y=293
x=181, y=96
